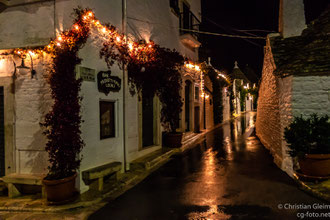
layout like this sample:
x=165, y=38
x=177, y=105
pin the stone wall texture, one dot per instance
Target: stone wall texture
x=311, y=94
x=282, y=98
x=268, y=117
x=32, y=102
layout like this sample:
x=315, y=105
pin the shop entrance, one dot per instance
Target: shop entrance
x=147, y=120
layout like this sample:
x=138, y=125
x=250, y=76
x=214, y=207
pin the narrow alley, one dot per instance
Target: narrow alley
x=229, y=176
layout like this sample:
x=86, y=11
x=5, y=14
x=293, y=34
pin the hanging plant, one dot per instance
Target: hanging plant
x=156, y=71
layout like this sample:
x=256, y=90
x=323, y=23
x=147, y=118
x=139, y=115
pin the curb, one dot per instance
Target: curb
x=119, y=189
x=73, y=206
x=303, y=186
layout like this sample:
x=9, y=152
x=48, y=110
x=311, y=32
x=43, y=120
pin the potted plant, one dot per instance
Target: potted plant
x=62, y=123
x=170, y=114
x=156, y=71
x=309, y=141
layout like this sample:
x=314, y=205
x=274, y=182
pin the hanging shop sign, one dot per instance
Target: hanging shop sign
x=107, y=83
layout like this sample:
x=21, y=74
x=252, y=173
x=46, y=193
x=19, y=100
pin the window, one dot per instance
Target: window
x=174, y=4
x=107, y=119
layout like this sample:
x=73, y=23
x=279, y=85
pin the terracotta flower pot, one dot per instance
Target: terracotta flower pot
x=60, y=191
x=173, y=140
x=315, y=165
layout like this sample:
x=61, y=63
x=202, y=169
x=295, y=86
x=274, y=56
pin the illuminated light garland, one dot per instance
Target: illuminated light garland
x=87, y=19
x=197, y=68
x=135, y=50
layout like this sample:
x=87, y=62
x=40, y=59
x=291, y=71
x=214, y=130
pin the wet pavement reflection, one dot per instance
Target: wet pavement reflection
x=228, y=176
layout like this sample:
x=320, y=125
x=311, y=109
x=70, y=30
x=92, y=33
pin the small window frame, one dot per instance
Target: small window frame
x=111, y=105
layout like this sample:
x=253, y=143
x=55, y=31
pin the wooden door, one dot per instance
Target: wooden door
x=147, y=120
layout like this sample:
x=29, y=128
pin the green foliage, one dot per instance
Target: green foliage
x=231, y=100
x=243, y=93
x=62, y=123
x=217, y=85
x=308, y=135
x=156, y=71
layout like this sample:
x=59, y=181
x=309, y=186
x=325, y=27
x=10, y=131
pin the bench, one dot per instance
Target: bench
x=100, y=172
x=15, y=179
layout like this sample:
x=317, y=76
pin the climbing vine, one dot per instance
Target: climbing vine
x=151, y=68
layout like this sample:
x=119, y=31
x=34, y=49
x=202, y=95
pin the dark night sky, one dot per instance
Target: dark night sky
x=229, y=16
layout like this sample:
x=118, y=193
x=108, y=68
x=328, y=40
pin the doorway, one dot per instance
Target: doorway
x=147, y=120
x=187, y=90
x=2, y=133
x=197, y=120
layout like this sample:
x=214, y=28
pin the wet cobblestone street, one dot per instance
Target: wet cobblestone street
x=228, y=176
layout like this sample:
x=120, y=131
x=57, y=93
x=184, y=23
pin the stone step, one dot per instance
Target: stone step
x=3, y=188
x=151, y=160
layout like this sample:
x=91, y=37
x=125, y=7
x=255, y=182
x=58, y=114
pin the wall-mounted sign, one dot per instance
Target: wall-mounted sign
x=86, y=74
x=107, y=83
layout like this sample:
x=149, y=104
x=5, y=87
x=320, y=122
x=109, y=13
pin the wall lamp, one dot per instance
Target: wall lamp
x=23, y=69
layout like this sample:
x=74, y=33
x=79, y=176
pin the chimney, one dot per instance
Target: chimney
x=291, y=18
x=236, y=65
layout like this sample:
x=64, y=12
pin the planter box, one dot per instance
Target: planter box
x=173, y=140
x=315, y=165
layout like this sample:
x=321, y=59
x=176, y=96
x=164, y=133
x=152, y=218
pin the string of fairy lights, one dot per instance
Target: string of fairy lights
x=107, y=33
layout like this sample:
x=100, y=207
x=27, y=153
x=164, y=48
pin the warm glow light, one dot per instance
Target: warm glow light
x=104, y=30
x=118, y=39
x=2, y=63
x=76, y=27
x=197, y=68
x=58, y=44
x=90, y=14
x=60, y=38
x=31, y=53
x=130, y=46
x=85, y=17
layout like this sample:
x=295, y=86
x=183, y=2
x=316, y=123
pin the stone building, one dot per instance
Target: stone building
x=24, y=100
x=295, y=77
x=240, y=80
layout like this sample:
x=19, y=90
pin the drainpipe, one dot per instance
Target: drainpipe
x=124, y=18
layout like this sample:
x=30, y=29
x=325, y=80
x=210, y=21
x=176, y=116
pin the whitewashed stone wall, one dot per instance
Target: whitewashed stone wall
x=36, y=24
x=32, y=102
x=311, y=94
x=225, y=104
x=282, y=98
x=285, y=107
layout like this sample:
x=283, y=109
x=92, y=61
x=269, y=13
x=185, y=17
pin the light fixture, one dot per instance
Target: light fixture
x=22, y=68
